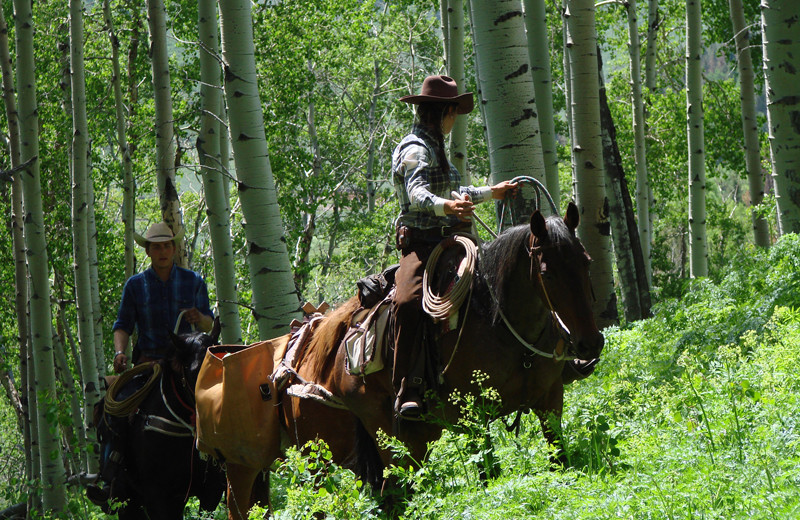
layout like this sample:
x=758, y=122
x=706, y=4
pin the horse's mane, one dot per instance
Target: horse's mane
x=327, y=336
x=499, y=258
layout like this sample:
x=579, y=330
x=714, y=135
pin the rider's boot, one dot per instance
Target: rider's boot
x=408, y=404
x=101, y=496
x=409, y=368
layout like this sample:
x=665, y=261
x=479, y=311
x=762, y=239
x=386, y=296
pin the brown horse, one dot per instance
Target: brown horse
x=531, y=291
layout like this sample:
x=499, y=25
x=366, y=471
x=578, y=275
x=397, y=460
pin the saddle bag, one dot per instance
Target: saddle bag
x=237, y=403
x=365, y=339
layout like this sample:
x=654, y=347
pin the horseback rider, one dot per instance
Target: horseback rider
x=152, y=302
x=424, y=180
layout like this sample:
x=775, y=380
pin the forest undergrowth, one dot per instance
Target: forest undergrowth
x=692, y=414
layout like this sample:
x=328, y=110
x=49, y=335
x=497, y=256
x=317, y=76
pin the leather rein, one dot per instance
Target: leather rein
x=555, y=322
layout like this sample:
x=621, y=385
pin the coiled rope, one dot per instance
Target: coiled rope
x=130, y=404
x=441, y=307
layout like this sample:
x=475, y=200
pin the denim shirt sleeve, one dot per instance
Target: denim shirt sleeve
x=126, y=316
x=201, y=298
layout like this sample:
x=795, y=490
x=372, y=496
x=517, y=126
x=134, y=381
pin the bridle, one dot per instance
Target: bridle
x=176, y=426
x=555, y=322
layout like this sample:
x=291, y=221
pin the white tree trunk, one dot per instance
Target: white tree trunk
x=781, y=51
x=275, y=300
x=18, y=240
x=594, y=229
x=507, y=96
x=51, y=471
x=455, y=69
x=698, y=246
x=94, y=282
x=752, y=147
x=539, y=55
x=372, y=182
x=639, y=150
x=165, y=130
x=80, y=226
x=208, y=150
x=653, y=22
x=568, y=42
x=128, y=182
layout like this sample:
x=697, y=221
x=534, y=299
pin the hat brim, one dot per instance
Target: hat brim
x=142, y=241
x=465, y=101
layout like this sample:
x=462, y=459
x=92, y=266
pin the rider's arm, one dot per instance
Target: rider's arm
x=120, y=344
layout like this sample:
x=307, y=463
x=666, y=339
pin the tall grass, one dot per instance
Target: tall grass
x=692, y=414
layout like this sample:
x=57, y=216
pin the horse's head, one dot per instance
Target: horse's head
x=566, y=288
x=188, y=352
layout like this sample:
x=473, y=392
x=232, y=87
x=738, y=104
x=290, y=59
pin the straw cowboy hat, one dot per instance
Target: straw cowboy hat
x=158, y=232
x=442, y=88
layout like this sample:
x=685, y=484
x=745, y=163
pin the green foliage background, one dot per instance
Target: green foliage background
x=692, y=413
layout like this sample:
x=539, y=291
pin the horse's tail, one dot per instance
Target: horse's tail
x=366, y=462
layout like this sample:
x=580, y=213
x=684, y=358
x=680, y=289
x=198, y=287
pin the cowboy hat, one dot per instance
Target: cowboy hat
x=158, y=232
x=442, y=89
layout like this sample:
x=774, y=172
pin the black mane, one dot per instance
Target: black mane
x=499, y=258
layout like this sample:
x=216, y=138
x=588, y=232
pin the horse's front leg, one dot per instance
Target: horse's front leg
x=549, y=410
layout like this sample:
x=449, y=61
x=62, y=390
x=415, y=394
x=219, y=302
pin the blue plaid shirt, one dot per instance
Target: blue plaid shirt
x=422, y=187
x=153, y=305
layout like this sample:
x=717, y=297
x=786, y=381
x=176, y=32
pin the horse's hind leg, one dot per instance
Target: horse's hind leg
x=240, y=490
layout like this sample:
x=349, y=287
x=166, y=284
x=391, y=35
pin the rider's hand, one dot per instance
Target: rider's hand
x=499, y=190
x=198, y=319
x=120, y=363
x=462, y=208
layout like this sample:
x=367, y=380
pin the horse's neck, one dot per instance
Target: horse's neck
x=177, y=394
x=523, y=307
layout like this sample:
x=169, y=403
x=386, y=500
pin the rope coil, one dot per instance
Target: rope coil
x=441, y=307
x=130, y=404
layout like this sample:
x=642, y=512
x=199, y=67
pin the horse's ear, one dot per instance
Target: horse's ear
x=572, y=217
x=215, y=330
x=538, y=226
x=177, y=343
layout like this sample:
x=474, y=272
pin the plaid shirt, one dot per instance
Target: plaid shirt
x=422, y=187
x=153, y=305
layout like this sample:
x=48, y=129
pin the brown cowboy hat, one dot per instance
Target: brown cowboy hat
x=442, y=88
x=158, y=232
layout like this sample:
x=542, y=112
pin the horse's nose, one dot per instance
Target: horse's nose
x=590, y=348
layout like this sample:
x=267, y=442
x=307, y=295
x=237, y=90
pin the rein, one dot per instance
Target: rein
x=559, y=353
x=177, y=428
x=555, y=355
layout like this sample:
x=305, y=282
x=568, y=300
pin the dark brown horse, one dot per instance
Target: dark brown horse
x=162, y=467
x=532, y=289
